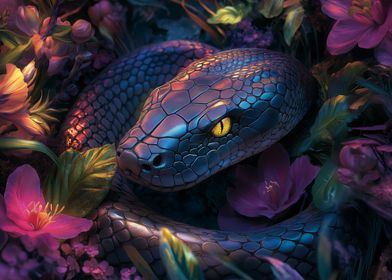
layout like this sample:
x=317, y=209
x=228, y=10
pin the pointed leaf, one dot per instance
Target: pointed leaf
x=324, y=251
x=342, y=80
x=227, y=15
x=82, y=180
x=180, y=262
x=139, y=262
x=330, y=124
x=231, y=266
x=294, y=18
x=327, y=191
x=22, y=144
x=281, y=270
x=271, y=8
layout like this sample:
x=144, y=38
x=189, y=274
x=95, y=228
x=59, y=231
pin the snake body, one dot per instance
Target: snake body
x=166, y=144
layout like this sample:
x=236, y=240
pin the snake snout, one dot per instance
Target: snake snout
x=139, y=163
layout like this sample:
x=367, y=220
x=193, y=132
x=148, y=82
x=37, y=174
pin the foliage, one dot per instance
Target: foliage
x=179, y=261
x=271, y=8
x=330, y=124
x=81, y=180
x=327, y=192
x=9, y=144
x=294, y=18
x=228, y=15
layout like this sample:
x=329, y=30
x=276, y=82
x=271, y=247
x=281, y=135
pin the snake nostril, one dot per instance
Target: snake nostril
x=146, y=167
x=157, y=161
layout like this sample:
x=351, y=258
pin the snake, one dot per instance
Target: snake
x=179, y=112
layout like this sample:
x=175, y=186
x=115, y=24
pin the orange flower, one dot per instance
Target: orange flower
x=14, y=100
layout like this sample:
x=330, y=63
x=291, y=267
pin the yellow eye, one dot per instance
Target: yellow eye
x=222, y=127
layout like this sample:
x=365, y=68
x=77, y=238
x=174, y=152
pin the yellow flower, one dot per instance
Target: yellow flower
x=14, y=100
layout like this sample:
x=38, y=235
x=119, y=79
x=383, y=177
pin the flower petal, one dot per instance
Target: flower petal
x=337, y=9
x=377, y=33
x=229, y=220
x=66, y=227
x=383, y=52
x=345, y=35
x=274, y=163
x=23, y=188
x=302, y=173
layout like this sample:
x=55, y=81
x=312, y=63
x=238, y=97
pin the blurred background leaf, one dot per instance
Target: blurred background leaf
x=327, y=192
x=330, y=124
x=294, y=18
x=271, y=8
x=228, y=15
x=281, y=270
x=178, y=259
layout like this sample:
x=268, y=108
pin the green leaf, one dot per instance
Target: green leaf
x=324, y=251
x=178, y=259
x=228, y=15
x=82, y=180
x=14, y=54
x=330, y=124
x=342, y=80
x=62, y=33
x=271, y=8
x=11, y=39
x=22, y=144
x=327, y=192
x=294, y=18
x=139, y=262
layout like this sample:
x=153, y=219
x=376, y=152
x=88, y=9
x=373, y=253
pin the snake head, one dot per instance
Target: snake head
x=218, y=111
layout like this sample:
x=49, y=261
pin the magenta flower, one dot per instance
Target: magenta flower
x=23, y=210
x=366, y=23
x=98, y=271
x=272, y=187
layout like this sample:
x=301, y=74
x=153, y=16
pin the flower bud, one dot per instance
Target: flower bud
x=27, y=20
x=358, y=158
x=30, y=73
x=82, y=31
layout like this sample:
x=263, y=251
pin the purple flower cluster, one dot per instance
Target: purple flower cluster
x=366, y=166
x=246, y=35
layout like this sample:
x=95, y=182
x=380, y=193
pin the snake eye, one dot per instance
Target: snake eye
x=222, y=127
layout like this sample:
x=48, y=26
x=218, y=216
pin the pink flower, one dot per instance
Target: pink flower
x=272, y=187
x=366, y=23
x=98, y=271
x=23, y=210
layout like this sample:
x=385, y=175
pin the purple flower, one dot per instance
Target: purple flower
x=272, y=187
x=379, y=197
x=13, y=254
x=126, y=273
x=68, y=266
x=98, y=271
x=360, y=162
x=366, y=23
x=109, y=16
x=246, y=35
x=82, y=31
x=46, y=246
